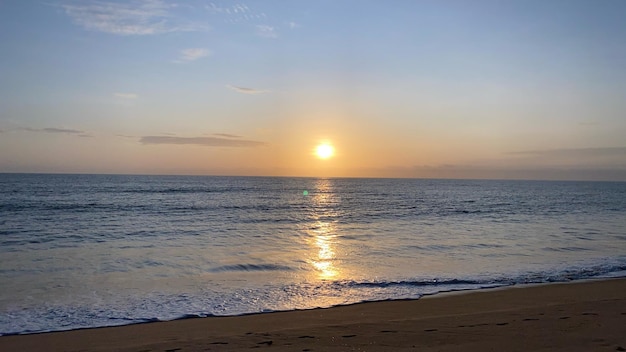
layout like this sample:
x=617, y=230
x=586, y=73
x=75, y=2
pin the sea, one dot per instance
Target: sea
x=83, y=251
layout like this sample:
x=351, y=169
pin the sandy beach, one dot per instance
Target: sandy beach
x=582, y=316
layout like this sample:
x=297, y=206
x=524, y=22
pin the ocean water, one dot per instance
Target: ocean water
x=81, y=251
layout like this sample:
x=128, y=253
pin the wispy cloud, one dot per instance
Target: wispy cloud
x=237, y=13
x=266, y=31
x=235, y=9
x=126, y=95
x=244, y=90
x=52, y=130
x=138, y=17
x=61, y=130
x=55, y=130
x=192, y=54
x=125, y=136
x=203, y=141
x=227, y=135
x=292, y=25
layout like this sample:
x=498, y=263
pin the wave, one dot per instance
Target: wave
x=433, y=282
x=252, y=267
x=563, y=275
x=271, y=299
x=189, y=190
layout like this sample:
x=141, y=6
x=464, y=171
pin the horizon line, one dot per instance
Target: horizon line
x=310, y=177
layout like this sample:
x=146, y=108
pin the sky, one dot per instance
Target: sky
x=407, y=88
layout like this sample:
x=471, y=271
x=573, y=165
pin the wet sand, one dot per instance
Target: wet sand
x=582, y=316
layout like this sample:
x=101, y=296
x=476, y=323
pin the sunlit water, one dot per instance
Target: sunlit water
x=83, y=251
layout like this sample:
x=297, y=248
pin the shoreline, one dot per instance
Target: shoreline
x=193, y=316
x=451, y=292
x=579, y=315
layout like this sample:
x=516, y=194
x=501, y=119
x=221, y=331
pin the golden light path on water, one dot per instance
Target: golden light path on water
x=322, y=232
x=323, y=240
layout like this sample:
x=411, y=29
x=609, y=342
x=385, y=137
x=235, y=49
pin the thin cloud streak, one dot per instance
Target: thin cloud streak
x=244, y=90
x=193, y=54
x=227, y=135
x=53, y=130
x=139, y=17
x=202, y=141
x=61, y=130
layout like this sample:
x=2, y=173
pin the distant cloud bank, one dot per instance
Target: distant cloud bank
x=523, y=172
x=575, y=152
x=230, y=141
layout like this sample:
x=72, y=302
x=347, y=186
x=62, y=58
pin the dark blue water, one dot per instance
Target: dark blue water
x=96, y=250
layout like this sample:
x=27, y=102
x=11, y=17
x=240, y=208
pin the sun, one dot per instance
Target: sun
x=324, y=151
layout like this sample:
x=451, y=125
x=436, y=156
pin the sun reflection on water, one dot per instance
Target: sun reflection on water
x=323, y=262
x=322, y=231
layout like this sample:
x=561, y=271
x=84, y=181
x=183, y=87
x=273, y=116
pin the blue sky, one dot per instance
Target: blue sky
x=477, y=89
